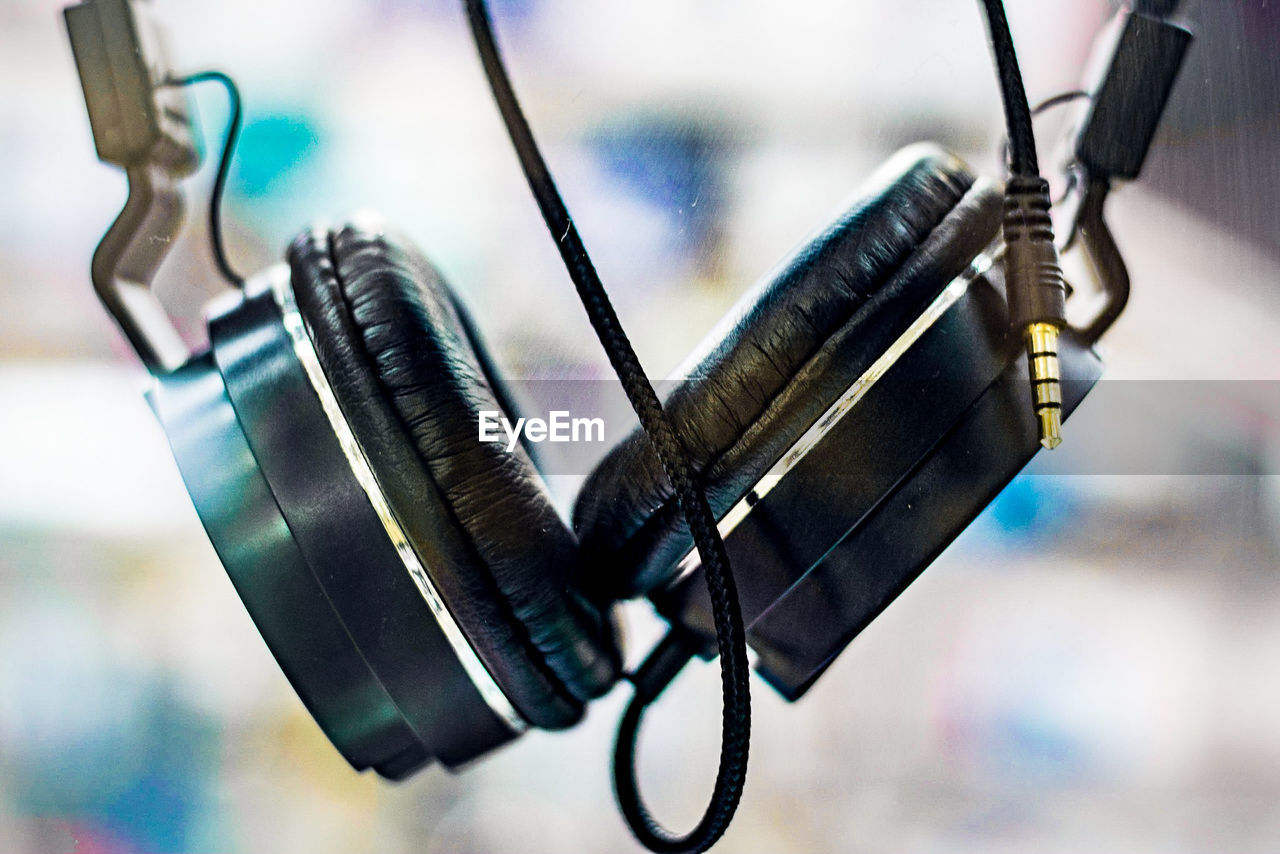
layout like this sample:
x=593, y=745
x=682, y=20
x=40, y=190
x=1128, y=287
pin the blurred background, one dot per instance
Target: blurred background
x=1089, y=668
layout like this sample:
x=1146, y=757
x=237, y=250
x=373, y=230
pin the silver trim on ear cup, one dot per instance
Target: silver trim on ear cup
x=480, y=677
x=819, y=429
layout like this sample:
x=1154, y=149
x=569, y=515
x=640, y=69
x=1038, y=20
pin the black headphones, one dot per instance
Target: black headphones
x=418, y=588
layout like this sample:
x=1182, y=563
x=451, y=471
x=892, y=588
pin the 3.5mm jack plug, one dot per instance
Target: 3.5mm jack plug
x=1037, y=295
x=1046, y=381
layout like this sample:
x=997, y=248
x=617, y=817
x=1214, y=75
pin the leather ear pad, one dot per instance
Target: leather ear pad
x=787, y=351
x=410, y=376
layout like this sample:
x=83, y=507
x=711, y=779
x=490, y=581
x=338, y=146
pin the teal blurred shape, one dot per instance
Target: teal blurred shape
x=273, y=148
x=1031, y=509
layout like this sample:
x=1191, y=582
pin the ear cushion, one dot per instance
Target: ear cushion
x=410, y=376
x=787, y=351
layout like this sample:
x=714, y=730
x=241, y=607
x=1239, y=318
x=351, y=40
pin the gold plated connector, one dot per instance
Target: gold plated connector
x=1046, y=381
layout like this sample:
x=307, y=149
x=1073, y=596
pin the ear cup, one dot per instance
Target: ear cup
x=410, y=376
x=787, y=351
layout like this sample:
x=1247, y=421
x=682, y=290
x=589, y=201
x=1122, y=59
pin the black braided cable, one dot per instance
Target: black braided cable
x=1043, y=107
x=1017, y=113
x=730, y=632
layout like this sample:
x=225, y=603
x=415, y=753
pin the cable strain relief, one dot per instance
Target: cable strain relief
x=1033, y=273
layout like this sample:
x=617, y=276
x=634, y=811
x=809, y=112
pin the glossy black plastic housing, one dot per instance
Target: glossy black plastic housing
x=878, y=498
x=310, y=557
x=1129, y=96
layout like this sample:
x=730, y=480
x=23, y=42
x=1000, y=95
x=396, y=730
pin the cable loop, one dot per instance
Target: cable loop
x=730, y=632
x=224, y=166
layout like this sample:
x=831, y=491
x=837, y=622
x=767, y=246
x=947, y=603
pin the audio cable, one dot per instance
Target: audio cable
x=224, y=166
x=675, y=650
x=1033, y=274
x=1037, y=309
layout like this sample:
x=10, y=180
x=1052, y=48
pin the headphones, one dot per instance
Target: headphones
x=418, y=588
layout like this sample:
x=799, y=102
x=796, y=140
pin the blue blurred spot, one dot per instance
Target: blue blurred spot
x=158, y=808
x=1038, y=747
x=272, y=148
x=670, y=163
x=1030, y=508
x=145, y=780
x=514, y=9
x=504, y=12
x=1018, y=506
